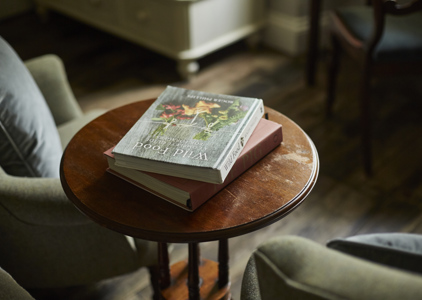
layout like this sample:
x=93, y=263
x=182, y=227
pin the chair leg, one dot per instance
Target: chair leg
x=365, y=107
x=333, y=67
x=313, y=37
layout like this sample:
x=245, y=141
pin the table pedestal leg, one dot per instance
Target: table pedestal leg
x=155, y=282
x=164, y=266
x=198, y=278
x=193, y=274
x=223, y=263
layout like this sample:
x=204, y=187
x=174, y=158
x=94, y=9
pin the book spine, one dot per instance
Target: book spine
x=141, y=186
x=241, y=141
x=246, y=160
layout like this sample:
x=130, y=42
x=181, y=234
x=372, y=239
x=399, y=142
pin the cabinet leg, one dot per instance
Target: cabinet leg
x=187, y=68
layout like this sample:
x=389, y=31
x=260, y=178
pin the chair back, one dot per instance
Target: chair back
x=381, y=8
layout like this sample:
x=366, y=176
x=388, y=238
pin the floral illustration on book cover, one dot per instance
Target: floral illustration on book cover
x=207, y=116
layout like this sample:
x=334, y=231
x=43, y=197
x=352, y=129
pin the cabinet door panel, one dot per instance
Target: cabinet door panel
x=162, y=23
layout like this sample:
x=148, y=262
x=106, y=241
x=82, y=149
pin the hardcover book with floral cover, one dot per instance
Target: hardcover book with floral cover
x=190, y=134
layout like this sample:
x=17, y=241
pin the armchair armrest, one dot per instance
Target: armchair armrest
x=10, y=289
x=38, y=201
x=296, y=268
x=49, y=74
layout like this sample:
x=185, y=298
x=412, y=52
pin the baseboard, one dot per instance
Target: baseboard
x=289, y=34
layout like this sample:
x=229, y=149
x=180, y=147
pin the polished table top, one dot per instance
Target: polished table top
x=265, y=193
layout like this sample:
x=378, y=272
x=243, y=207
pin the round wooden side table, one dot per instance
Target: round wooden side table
x=265, y=193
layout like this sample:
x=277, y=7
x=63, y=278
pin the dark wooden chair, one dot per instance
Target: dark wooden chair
x=312, y=54
x=313, y=38
x=384, y=39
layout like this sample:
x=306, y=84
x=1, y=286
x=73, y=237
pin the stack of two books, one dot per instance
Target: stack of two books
x=189, y=145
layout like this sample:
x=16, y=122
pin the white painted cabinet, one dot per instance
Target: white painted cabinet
x=182, y=30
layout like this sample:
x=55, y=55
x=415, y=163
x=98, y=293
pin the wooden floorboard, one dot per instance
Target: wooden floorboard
x=106, y=72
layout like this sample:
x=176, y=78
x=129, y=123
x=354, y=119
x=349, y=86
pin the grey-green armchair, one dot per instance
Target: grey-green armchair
x=292, y=267
x=10, y=289
x=45, y=242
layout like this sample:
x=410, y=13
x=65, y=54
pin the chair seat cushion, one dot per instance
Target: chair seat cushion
x=69, y=129
x=402, y=38
x=29, y=141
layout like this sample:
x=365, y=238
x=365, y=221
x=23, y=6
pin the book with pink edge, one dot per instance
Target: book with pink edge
x=190, y=194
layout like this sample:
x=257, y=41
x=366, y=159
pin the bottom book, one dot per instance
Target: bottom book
x=190, y=194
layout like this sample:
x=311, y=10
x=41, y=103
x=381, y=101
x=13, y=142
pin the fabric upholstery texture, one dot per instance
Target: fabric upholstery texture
x=45, y=242
x=29, y=141
x=60, y=255
x=68, y=129
x=291, y=267
x=402, y=38
x=50, y=76
x=10, y=289
x=399, y=250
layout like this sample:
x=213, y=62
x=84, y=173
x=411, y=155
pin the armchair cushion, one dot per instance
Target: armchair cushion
x=70, y=128
x=399, y=250
x=29, y=141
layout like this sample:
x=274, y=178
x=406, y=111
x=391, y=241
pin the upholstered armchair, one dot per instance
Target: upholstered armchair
x=45, y=241
x=379, y=266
